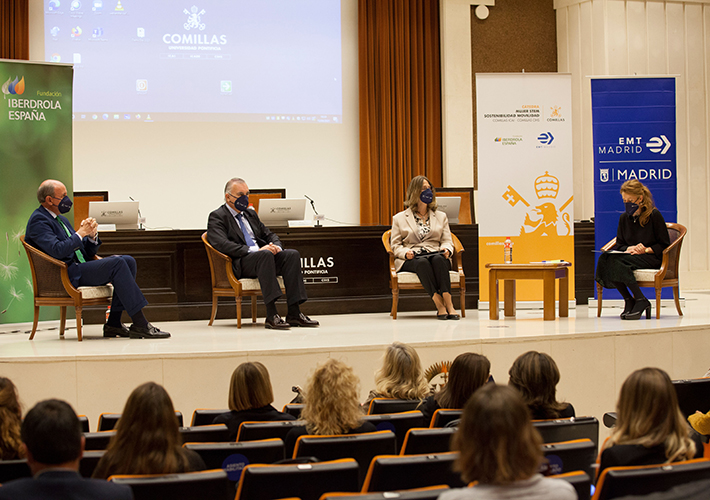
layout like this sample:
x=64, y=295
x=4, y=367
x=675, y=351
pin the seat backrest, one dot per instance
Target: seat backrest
x=218, y=268
x=97, y=440
x=676, y=232
x=233, y=457
x=427, y=493
x=84, y=421
x=390, y=473
x=385, y=405
x=443, y=416
x=426, y=440
x=89, y=461
x=386, y=240
x=108, y=421
x=693, y=395
x=212, y=484
x=294, y=409
x=616, y=482
x=14, y=469
x=46, y=272
x=213, y=433
x=304, y=481
x=399, y=423
x=251, y=431
x=569, y=456
x=568, y=429
x=203, y=416
x=362, y=447
x=581, y=481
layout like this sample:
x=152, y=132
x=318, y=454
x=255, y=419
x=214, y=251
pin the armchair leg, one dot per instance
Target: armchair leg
x=463, y=302
x=215, y=299
x=658, y=302
x=239, y=311
x=253, y=308
x=34, y=323
x=599, y=300
x=78, y=322
x=676, y=296
x=395, y=299
x=62, y=320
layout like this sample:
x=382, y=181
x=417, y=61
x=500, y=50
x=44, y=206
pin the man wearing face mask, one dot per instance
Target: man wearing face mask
x=256, y=252
x=52, y=233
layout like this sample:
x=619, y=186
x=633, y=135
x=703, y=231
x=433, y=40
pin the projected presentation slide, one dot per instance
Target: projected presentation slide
x=212, y=60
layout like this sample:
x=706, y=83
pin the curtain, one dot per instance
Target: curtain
x=14, y=29
x=400, y=102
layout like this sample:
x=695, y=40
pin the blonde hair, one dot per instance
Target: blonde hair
x=401, y=375
x=414, y=190
x=10, y=421
x=467, y=374
x=496, y=439
x=636, y=188
x=250, y=387
x=648, y=414
x=535, y=375
x=331, y=401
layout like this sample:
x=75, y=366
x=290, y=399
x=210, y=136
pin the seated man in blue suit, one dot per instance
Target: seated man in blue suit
x=52, y=233
x=54, y=445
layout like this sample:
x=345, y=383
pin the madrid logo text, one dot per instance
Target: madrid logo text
x=636, y=145
x=641, y=174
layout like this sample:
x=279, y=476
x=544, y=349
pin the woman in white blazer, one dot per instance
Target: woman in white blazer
x=422, y=244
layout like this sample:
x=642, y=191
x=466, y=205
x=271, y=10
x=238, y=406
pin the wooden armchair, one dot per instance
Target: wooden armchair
x=410, y=281
x=52, y=287
x=225, y=284
x=667, y=275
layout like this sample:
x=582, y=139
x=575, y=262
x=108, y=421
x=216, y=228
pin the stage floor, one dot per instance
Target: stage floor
x=594, y=354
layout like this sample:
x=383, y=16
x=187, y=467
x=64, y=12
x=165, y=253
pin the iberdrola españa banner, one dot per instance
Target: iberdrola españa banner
x=524, y=174
x=35, y=144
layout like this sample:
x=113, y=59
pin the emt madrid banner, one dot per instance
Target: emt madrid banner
x=36, y=131
x=634, y=137
x=524, y=173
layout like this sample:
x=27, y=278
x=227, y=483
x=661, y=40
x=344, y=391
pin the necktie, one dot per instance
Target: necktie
x=247, y=237
x=78, y=253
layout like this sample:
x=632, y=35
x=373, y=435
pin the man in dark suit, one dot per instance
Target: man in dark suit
x=256, y=252
x=53, y=444
x=52, y=233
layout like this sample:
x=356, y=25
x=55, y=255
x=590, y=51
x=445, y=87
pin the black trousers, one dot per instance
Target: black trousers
x=433, y=272
x=120, y=271
x=266, y=266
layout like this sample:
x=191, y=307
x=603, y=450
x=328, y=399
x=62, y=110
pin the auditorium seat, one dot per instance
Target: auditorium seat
x=569, y=456
x=397, y=472
x=568, y=429
x=581, y=482
x=617, y=482
x=693, y=395
x=304, y=481
x=387, y=405
x=293, y=409
x=426, y=440
x=362, y=447
x=89, y=461
x=108, y=421
x=251, y=431
x=84, y=421
x=14, y=469
x=97, y=440
x=212, y=484
x=609, y=419
x=213, y=433
x=203, y=416
x=442, y=417
x=399, y=423
x=233, y=457
x=426, y=493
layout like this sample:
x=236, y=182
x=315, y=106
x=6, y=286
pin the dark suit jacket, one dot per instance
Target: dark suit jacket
x=224, y=233
x=45, y=233
x=63, y=484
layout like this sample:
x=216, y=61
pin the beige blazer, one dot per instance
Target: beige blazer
x=405, y=235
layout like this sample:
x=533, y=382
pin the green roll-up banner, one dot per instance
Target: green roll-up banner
x=35, y=144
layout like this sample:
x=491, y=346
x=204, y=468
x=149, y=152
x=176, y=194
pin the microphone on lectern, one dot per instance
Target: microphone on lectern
x=313, y=205
x=140, y=223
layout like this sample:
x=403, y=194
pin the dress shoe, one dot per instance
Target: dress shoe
x=640, y=307
x=455, y=317
x=147, y=332
x=116, y=331
x=276, y=322
x=301, y=320
x=442, y=316
x=628, y=306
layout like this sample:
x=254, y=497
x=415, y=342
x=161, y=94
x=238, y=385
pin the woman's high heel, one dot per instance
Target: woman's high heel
x=628, y=307
x=640, y=307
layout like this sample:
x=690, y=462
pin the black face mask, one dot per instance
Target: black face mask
x=631, y=208
x=241, y=203
x=64, y=205
x=427, y=196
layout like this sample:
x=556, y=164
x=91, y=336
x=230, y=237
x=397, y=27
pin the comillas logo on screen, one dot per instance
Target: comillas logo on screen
x=192, y=38
x=14, y=87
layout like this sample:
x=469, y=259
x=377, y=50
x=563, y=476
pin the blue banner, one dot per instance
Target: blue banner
x=634, y=137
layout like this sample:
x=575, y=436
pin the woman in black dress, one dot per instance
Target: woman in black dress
x=642, y=236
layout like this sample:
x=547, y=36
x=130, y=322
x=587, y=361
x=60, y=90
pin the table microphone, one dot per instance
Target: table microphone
x=140, y=217
x=313, y=205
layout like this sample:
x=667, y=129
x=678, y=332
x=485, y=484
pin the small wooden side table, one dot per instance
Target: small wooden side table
x=548, y=273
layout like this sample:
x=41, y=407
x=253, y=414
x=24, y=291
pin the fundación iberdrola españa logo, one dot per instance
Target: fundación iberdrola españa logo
x=542, y=219
x=14, y=87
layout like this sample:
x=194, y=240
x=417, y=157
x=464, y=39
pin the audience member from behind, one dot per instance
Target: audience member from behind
x=331, y=404
x=53, y=443
x=650, y=429
x=10, y=421
x=401, y=375
x=468, y=372
x=535, y=375
x=250, y=398
x=147, y=439
x=500, y=448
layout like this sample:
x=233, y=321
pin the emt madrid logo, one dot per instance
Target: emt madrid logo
x=15, y=87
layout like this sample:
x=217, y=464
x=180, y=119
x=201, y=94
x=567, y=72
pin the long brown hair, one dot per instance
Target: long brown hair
x=147, y=439
x=10, y=421
x=250, y=387
x=414, y=190
x=496, y=439
x=636, y=188
x=467, y=374
x=401, y=375
x=535, y=375
x=648, y=414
